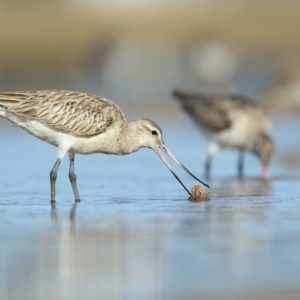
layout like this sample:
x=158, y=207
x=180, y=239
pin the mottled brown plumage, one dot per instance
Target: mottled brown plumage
x=214, y=112
x=76, y=113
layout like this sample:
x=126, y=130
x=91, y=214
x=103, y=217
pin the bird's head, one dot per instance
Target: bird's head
x=149, y=134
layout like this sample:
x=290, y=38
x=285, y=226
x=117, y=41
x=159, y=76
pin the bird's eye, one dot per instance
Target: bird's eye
x=154, y=132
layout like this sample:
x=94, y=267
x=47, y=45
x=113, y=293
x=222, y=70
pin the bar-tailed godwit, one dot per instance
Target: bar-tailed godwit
x=230, y=121
x=81, y=123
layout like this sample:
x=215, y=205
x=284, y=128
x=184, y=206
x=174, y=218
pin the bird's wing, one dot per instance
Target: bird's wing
x=214, y=112
x=78, y=114
x=209, y=115
x=204, y=110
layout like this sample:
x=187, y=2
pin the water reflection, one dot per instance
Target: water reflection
x=115, y=260
x=137, y=237
x=250, y=187
x=106, y=251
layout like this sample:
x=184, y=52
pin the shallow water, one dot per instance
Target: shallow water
x=135, y=235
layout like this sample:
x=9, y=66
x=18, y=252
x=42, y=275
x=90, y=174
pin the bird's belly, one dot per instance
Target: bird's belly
x=235, y=137
x=49, y=135
x=36, y=128
x=103, y=143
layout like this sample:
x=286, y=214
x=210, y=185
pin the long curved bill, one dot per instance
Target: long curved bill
x=167, y=151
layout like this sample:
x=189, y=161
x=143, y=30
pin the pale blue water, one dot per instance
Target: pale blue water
x=135, y=235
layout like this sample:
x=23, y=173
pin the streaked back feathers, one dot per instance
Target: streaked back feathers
x=76, y=113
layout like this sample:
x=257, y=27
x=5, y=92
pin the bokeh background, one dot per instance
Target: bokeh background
x=129, y=242
x=137, y=51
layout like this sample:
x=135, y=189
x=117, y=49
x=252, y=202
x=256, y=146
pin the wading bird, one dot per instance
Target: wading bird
x=81, y=123
x=230, y=121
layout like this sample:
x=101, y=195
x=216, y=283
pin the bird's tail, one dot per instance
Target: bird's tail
x=10, y=99
x=182, y=95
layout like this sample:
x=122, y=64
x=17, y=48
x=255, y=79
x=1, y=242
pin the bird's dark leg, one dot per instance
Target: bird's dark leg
x=53, y=176
x=73, y=177
x=241, y=165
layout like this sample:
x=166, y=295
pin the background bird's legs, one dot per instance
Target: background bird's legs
x=212, y=150
x=241, y=165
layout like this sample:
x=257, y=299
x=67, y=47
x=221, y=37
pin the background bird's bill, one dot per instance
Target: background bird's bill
x=266, y=172
x=167, y=151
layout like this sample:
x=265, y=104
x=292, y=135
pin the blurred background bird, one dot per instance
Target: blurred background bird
x=231, y=121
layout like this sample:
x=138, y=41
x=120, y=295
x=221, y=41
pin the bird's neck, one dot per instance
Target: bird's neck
x=129, y=140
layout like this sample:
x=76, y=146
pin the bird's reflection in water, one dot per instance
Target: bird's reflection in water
x=72, y=217
x=109, y=253
x=53, y=212
x=247, y=187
